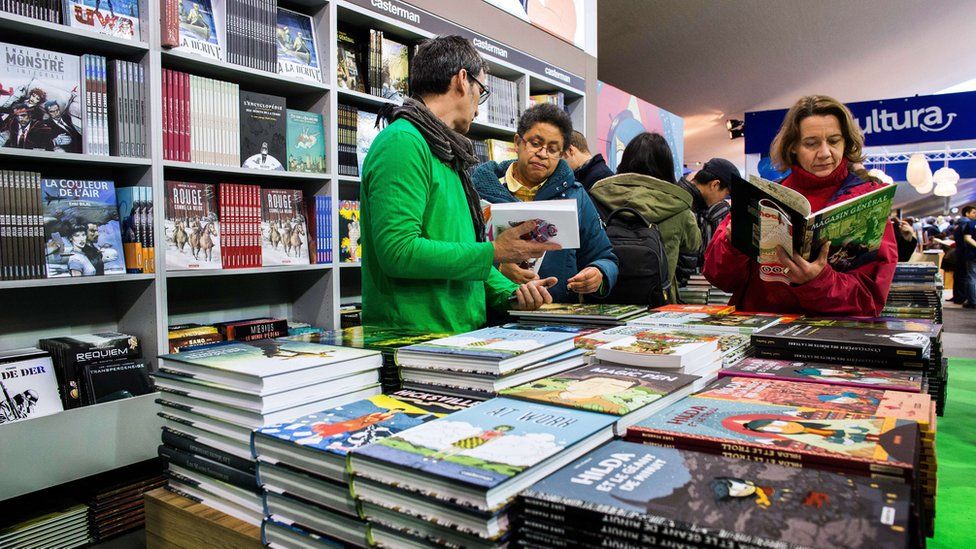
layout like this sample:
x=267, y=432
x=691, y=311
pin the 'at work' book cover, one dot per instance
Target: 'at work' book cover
x=82, y=232
x=826, y=374
x=489, y=443
x=639, y=488
x=306, y=142
x=607, y=389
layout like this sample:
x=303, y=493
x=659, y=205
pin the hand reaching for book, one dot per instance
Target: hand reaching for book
x=586, y=281
x=534, y=294
x=511, y=248
x=517, y=274
x=799, y=270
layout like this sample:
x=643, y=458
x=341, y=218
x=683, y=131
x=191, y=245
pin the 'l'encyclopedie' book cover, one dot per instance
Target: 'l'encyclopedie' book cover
x=263, y=131
x=826, y=374
x=649, y=494
x=81, y=228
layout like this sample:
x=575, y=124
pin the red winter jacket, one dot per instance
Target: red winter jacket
x=858, y=292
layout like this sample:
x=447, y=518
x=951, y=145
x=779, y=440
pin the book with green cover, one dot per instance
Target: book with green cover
x=767, y=215
x=306, y=142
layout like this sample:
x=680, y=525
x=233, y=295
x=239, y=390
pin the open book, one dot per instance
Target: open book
x=766, y=215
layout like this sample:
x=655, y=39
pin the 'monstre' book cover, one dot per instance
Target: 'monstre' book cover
x=827, y=374
x=202, y=27
x=645, y=493
x=28, y=385
x=81, y=228
x=263, y=131
x=297, y=54
x=615, y=390
x=306, y=142
x=284, y=235
x=789, y=435
x=192, y=226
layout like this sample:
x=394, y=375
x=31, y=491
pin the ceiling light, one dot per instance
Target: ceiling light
x=946, y=175
x=918, y=173
x=945, y=189
x=881, y=176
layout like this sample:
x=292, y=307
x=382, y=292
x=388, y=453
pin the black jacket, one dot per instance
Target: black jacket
x=594, y=170
x=708, y=219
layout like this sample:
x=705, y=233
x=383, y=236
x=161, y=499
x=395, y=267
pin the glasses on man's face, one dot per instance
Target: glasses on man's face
x=536, y=146
x=485, y=92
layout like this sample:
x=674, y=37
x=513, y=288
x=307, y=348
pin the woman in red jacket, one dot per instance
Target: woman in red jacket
x=821, y=142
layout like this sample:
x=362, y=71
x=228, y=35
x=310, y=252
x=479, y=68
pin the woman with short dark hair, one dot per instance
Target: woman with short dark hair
x=822, y=145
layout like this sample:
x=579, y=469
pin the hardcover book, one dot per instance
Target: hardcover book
x=350, y=250
x=263, y=131
x=202, y=27
x=41, y=103
x=297, y=53
x=28, y=385
x=395, y=70
x=827, y=374
x=366, y=132
x=839, y=343
x=81, y=228
x=661, y=349
x=118, y=18
x=610, y=390
x=556, y=220
x=767, y=215
x=349, y=61
x=107, y=382
x=192, y=226
x=284, y=233
x=72, y=354
x=743, y=323
x=786, y=434
x=590, y=341
x=482, y=448
x=704, y=309
x=649, y=495
x=589, y=312
x=306, y=142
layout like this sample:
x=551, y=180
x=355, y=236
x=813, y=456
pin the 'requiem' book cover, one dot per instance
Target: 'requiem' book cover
x=284, y=233
x=651, y=495
x=790, y=435
x=192, y=226
x=826, y=374
x=615, y=390
x=81, y=228
x=306, y=142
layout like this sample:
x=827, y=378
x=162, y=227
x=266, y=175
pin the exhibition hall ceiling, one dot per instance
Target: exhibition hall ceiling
x=711, y=60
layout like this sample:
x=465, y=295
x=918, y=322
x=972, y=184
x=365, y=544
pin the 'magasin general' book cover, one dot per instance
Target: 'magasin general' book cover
x=650, y=494
x=826, y=374
x=789, y=435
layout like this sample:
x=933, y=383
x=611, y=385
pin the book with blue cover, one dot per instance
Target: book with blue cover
x=793, y=435
x=306, y=142
x=202, y=27
x=499, y=349
x=484, y=455
x=649, y=495
x=298, y=55
x=82, y=233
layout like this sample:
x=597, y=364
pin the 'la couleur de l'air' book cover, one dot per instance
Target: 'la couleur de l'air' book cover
x=786, y=434
x=826, y=374
x=647, y=493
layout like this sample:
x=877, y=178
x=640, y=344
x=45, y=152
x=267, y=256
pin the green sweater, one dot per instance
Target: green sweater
x=423, y=269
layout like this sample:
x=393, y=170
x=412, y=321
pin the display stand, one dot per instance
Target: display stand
x=173, y=521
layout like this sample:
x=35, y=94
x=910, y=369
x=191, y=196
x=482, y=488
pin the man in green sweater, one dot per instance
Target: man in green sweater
x=426, y=265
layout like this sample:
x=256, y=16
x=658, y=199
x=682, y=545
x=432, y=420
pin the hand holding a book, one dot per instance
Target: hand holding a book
x=517, y=274
x=534, y=294
x=799, y=270
x=510, y=248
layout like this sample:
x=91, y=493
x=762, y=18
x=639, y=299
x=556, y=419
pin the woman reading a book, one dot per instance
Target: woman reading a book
x=821, y=144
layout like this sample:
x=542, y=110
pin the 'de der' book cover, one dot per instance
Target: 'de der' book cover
x=487, y=444
x=826, y=374
x=82, y=233
x=192, y=226
x=606, y=389
x=28, y=385
x=306, y=142
x=646, y=493
x=785, y=434
x=297, y=55
x=284, y=236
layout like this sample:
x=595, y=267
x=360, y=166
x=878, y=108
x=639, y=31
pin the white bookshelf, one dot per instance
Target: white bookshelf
x=51, y=157
x=75, y=281
x=205, y=273
x=177, y=166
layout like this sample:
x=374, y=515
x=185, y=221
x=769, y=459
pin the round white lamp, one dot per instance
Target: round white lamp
x=918, y=173
x=945, y=179
x=881, y=176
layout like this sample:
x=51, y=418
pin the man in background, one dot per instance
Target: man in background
x=965, y=256
x=587, y=168
x=708, y=188
x=427, y=266
x=905, y=235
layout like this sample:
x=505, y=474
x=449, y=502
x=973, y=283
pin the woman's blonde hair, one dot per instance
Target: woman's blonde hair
x=781, y=151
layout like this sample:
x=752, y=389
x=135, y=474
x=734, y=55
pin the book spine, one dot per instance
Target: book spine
x=207, y=467
x=885, y=363
x=170, y=24
x=38, y=214
x=834, y=348
x=188, y=443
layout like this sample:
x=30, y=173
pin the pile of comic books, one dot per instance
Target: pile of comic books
x=213, y=397
x=916, y=292
x=65, y=524
x=597, y=314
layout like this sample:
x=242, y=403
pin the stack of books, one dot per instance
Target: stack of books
x=687, y=352
x=99, y=367
x=628, y=495
x=581, y=314
x=696, y=292
x=878, y=343
x=483, y=362
x=502, y=107
x=115, y=498
x=453, y=480
x=347, y=140
x=65, y=527
x=827, y=374
x=214, y=396
x=302, y=464
x=706, y=322
x=916, y=292
x=480, y=150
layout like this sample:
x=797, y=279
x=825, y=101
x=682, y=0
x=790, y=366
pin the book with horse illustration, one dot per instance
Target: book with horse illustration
x=192, y=226
x=284, y=233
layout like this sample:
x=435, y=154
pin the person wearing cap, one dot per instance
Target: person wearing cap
x=587, y=167
x=708, y=188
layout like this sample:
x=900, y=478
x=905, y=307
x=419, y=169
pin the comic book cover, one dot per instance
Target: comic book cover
x=366, y=132
x=295, y=38
x=350, y=249
x=395, y=70
x=202, y=28
x=588, y=311
x=81, y=228
x=40, y=103
x=266, y=357
x=192, y=226
x=606, y=389
x=349, y=55
x=263, y=131
x=117, y=18
x=306, y=142
x=28, y=385
x=641, y=489
x=284, y=233
x=496, y=343
x=593, y=340
x=663, y=349
x=827, y=374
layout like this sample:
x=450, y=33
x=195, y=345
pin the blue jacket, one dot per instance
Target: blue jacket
x=595, y=248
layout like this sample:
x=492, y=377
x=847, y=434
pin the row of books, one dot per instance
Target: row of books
x=138, y=238
x=502, y=107
x=233, y=226
x=77, y=104
x=256, y=34
x=556, y=98
x=375, y=64
x=120, y=21
x=357, y=130
x=188, y=336
x=213, y=122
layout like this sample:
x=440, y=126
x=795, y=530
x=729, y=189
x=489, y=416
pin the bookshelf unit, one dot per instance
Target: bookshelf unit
x=98, y=438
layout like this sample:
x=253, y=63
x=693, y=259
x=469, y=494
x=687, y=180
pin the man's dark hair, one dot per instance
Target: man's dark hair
x=967, y=209
x=437, y=61
x=704, y=176
x=19, y=106
x=648, y=154
x=578, y=140
x=550, y=114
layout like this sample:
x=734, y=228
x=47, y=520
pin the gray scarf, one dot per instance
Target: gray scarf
x=449, y=146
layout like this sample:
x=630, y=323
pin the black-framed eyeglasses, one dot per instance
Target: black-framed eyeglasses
x=485, y=92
